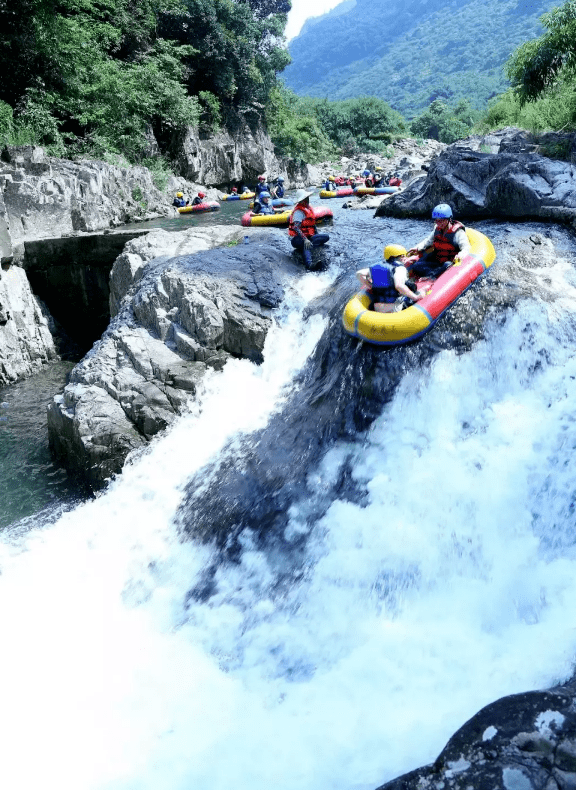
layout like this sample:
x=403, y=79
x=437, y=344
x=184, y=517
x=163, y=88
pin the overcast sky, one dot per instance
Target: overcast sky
x=302, y=10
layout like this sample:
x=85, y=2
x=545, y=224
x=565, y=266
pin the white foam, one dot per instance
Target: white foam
x=452, y=587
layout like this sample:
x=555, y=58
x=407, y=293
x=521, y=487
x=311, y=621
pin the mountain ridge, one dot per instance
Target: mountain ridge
x=402, y=62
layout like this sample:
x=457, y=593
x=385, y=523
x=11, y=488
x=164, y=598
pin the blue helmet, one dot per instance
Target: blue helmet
x=365, y=172
x=265, y=195
x=441, y=211
x=280, y=178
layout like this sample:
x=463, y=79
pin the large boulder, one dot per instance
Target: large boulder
x=514, y=182
x=175, y=318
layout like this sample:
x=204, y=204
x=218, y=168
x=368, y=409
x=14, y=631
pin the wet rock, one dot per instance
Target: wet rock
x=521, y=742
x=175, y=318
x=515, y=181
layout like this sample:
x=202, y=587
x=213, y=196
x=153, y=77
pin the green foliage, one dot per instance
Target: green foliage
x=293, y=131
x=100, y=77
x=211, y=111
x=555, y=109
x=160, y=169
x=6, y=123
x=364, y=124
x=445, y=123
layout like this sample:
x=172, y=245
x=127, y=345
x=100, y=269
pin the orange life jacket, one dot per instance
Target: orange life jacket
x=308, y=224
x=445, y=248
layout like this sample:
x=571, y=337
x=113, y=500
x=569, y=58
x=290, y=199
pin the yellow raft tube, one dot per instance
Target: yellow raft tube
x=390, y=329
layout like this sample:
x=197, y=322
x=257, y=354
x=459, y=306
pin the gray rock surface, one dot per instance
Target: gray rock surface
x=508, y=183
x=522, y=742
x=25, y=338
x=175, y=318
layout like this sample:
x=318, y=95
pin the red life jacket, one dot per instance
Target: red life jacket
x=308, y=224
x=445, y=248
x=395, y=182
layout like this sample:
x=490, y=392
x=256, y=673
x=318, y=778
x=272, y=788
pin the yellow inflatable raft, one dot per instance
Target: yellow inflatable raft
x=390, y=329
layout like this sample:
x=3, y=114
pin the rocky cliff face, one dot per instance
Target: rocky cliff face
x=26, y=341
x=44, y=197
x=237, y=154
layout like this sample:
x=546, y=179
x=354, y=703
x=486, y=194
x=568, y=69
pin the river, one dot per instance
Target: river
x=444, y=582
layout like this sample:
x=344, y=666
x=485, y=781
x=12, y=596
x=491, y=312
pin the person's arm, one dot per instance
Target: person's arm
x=461, y=239
x=362, y=275
x=400, y=277
x=421, y=246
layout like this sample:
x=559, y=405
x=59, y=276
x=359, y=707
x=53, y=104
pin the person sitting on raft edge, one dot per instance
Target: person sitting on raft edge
x=445, y=245
x=386, y=281
x=302, y=227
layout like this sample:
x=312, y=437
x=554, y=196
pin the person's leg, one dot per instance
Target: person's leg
x=319, y=238
x=298, y=244
x=427, y=266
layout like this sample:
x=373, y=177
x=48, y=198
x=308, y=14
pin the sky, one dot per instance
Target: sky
x=302, y=10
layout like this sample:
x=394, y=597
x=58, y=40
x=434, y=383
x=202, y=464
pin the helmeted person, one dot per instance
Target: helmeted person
x=388, y=281
x=179, y=201
x=234, y=191
x=261, y=186
x=395, y=181
x=329, y=185
x=198, y=199
x=302, y=227
x=262, y=204
x=446, y=244
x=245, y=189
x=279, y=187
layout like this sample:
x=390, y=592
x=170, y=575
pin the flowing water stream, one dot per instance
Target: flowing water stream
x=424, y=566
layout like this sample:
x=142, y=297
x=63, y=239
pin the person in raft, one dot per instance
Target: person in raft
x=234, y=191
x=445, y=245
x=179, y=201
x=278, y=189
x=302, y=227
x=261, y=186
x=388, y=282
x=262, y=204
x=198, y=199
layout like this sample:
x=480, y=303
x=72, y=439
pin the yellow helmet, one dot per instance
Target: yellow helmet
x=179, y=194
x=331, y=178
x=393, y=250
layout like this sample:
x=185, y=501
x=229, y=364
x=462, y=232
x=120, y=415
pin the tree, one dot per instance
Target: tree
x=537, y=64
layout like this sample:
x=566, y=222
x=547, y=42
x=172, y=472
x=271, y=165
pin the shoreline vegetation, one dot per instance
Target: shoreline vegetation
x=105, y=79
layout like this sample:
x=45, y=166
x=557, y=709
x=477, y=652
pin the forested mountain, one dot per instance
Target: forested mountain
x=410, y=52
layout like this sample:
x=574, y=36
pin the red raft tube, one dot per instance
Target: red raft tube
x=392, y=329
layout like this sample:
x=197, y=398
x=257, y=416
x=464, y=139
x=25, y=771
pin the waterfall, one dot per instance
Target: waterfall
x=440, y=579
